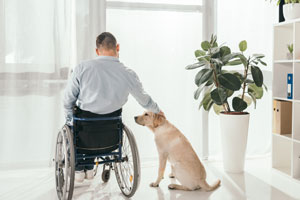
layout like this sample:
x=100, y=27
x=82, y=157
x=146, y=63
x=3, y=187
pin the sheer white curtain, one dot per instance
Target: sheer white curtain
x=249, y=20
x=39, y=42
x=157, y=41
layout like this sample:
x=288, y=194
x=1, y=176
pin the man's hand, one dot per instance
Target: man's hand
x=161, y=113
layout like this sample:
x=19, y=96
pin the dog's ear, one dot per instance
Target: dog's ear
x=158, y=120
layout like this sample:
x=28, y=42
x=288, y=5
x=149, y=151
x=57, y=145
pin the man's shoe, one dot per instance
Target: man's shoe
x=79, y=176
x=89, y=174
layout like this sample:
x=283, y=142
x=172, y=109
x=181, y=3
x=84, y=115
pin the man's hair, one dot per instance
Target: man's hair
x=107, y=41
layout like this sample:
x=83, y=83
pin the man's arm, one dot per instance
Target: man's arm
x=71, y=94
x=137, y=91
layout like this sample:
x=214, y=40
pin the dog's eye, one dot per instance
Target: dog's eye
x=146, y=114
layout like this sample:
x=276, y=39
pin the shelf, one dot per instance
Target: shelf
x=286, y=61
x=284, y=170
x=283, y=99
x=286, y=99
x=283, y=61
x=285, y=136
x=296, y=141
x=287, y=23
x=286, y=148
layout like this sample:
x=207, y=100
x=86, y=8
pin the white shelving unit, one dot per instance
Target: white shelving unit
x=286, y=148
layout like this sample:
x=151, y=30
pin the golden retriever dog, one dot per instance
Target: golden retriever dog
x=173, y=146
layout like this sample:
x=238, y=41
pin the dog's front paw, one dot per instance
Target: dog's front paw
x=154, y=184
x=172, y=186
x=171, y=175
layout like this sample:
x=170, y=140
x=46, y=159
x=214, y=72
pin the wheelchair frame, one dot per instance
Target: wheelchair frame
x=65, y=162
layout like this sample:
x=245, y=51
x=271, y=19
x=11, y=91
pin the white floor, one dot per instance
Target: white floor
x=259, y=182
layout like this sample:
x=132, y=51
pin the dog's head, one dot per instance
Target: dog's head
x=150, y=119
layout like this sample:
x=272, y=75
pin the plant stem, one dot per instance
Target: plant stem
x=225, y=105
x=245, y=77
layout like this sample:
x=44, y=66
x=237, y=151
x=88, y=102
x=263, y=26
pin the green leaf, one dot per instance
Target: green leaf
x=218, y=108
x=205, y=45
x=258, y=92
x=203, y=76
x=224, y=51
x=219, y=96
x=238, y=104
x=239, y=75
x=262, y=62
x=243, y=46
x=199, y=53
x=229, y=81
x=196, y=65
x=210, y=81
x=249, y=81
x=229, y=93
x=215, y=44
x=243, y=59
x=235, y=62
x=230, y=56
x=215, y=52
x=206, y=101
x=257, y=76
x=207, y=106
x=204, y=58
x=258, y=55
x=198, y=91
x=217, y=61
x=213, y=39
x=266, y=88
x=247, y=99
x=253, y=98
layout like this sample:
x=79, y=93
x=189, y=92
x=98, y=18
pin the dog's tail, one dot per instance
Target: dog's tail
x=208, y=188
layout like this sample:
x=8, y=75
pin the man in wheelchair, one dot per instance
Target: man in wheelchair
x=101, y=86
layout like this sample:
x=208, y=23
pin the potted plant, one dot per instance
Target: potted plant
x=229, y=93
x=289, y=55
x=291, y=8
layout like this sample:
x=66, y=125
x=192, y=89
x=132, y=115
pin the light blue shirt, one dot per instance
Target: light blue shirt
x=102, y=86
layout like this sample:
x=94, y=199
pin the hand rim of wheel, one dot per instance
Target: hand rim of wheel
x=120, y=174
x=66, y=151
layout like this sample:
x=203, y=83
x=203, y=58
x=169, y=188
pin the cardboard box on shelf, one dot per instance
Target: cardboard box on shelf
x=282, y=117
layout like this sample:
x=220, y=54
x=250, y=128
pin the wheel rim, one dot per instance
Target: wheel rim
x=125, y=168
x=127, y=172
x=64, y=165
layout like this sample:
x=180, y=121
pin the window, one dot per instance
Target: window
x=157, y=41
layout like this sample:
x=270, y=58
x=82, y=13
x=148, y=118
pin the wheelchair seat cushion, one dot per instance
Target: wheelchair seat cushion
x=101, y=136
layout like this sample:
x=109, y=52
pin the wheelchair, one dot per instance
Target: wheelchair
x=93, y=140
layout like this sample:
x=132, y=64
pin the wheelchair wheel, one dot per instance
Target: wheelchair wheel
x=64, y=164
x=128, y=171
x=105, y=175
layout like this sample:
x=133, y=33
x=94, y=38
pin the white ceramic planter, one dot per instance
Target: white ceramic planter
x=234, y=134
x=291, y=11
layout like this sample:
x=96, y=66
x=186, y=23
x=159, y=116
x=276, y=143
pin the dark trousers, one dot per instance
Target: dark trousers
x=86, y=114
x=86, y=167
